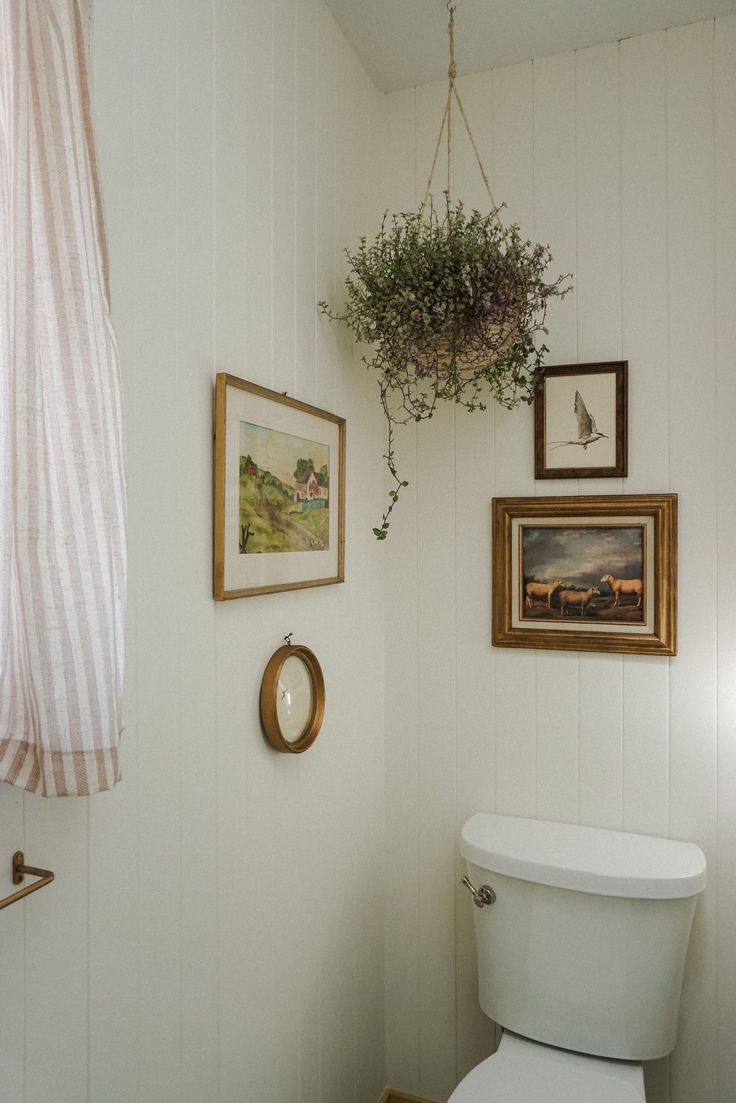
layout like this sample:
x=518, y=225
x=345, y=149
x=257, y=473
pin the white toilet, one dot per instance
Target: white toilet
x=581, y=937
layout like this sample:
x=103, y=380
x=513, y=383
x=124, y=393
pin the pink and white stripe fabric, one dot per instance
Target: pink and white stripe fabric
x=62, y=489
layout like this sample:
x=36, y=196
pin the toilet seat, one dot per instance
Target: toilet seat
x=522, y=1071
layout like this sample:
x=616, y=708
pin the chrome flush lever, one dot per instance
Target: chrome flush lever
x=482, y=896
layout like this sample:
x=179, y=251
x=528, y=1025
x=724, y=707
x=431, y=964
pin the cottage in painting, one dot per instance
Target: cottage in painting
x=311, y=488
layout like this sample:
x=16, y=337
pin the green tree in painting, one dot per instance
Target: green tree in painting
x=303, y=468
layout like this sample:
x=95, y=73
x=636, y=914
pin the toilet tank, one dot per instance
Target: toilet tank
x=584, y=947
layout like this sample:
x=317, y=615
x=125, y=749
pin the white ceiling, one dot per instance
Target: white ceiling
x=403, y=43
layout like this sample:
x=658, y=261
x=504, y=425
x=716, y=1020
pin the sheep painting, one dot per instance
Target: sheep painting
x=603, y=567
x=542, y=591
x=577, y=601
x=622, y=587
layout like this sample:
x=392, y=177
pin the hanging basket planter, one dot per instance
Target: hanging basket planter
x=452, y=301
x=452, y=305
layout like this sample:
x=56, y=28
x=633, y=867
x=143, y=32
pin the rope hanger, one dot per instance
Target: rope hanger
x=447, y=125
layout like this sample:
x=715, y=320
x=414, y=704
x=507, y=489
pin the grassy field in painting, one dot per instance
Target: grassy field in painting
x=276, y=523
x=599, y=609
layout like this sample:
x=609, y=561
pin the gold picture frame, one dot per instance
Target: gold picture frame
x=586, y=573
x=288, y=698
x=279, y=490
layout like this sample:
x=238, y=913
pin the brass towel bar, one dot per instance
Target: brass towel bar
x=20, y=870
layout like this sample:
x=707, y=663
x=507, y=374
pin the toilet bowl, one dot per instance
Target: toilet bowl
x=522, y=1071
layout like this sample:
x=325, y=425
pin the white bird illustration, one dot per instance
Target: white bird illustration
x=587, y=430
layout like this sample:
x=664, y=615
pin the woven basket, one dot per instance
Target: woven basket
x=470, y=358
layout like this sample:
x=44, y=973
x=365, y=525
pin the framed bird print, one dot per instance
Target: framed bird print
x=580, y=422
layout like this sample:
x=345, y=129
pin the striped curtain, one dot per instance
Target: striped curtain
x=62, y=491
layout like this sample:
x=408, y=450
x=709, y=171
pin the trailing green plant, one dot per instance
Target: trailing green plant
x=453, y=306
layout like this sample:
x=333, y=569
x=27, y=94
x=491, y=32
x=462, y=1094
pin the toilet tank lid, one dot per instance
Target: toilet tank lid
x=586, y=859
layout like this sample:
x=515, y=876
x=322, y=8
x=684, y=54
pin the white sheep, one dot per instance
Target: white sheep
x=543, y=590
x=577, y=599
x=625, y=586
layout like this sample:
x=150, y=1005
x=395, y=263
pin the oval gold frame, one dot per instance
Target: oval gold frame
x=269, y=688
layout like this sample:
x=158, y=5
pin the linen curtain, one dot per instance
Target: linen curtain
x=62, y=489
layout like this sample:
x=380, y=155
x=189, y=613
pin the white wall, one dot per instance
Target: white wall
x=214, y=932
x=623, y=158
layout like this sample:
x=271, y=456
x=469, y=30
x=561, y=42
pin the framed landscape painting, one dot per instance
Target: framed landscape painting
x=587, y=573
x=279, y=492
x=580, y=422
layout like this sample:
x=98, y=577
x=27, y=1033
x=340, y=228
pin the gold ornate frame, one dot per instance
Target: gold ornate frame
x=657, y=511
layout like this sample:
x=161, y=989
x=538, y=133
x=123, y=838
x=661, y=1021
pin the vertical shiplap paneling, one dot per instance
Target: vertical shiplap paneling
x=367, y=565
x=326, y=275
x=598, y=262
x=692, y=421
x=241, y=113
x=401, y=678
x=337, y=965
x=114, y=891
x=318, y=783
x=210, y=849
x=616, y=187
x=305, y=107
x=282, y=1011
x=645, y=314
x=55, y=1036
x=725, y=236
x=315, y=1079
x=242, y=311
x=598, y=280
x=557, y=672
x=143, y=235
x=248, y=890
x=343, y=760
x=283, y=185
x=306, y=370
x=436, y=690
x=197, y=695
x=646, y=680
x=475, y=685
x=12, y=950
x=474, y=481
x=154, y=528
x=255, y=792
x=644, y=258
x=252, y=163
x=555, y=213
x=113, y=817
x=512, y=177
x=309, y=884
x=251, y=782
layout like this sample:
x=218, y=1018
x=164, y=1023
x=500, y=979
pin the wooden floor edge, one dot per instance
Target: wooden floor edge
x=390, y=1096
